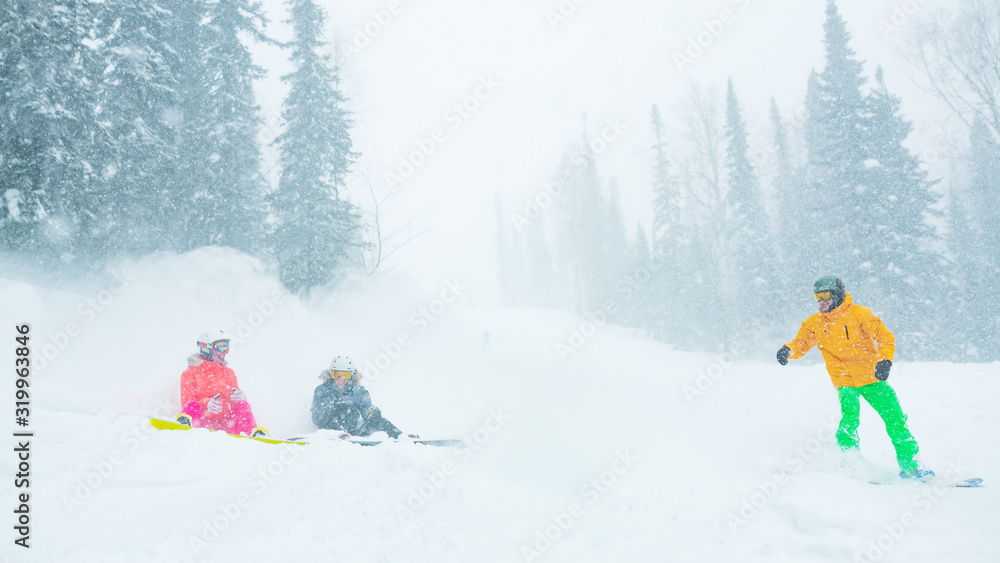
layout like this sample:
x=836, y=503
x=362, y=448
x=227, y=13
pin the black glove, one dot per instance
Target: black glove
x=783, y=355
x=882, y=370
x=375, y=413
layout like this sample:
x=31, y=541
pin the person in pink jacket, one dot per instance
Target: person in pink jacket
x=210, y=394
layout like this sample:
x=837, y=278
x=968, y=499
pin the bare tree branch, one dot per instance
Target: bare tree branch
x=958, y=54
x=380, y=245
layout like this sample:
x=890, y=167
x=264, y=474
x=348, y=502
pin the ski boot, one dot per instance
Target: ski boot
x=184, y=419
x=259, y=433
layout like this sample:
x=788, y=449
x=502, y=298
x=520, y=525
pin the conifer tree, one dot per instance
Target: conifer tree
x=518, y=269
x=227, y=205
x=616, y=245
x=191, y=121
x=667, y=241
x=782, y=148
x=138, y=153
x=972, y=319
x=835, y=137
x=984, y=187
x=974, y=230
x=505, y=263
x=750, y=281
x=47, y=175
x=640, y=255
x=17, y=215
x=894, y=203
x=638, y=300
x=580, y=233
x=747, y=222
x=868, y=223
x=316, y=226
x=538, y=263
x=792, y=211
x=666, y=200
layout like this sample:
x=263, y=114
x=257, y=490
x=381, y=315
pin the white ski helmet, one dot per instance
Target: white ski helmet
x=208, y=347
x=343, y=363
x=212, y=336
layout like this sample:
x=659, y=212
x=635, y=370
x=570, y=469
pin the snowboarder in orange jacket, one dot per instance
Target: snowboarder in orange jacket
x=858, y=350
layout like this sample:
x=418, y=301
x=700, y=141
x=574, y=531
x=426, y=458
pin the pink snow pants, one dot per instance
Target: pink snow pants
x=239, y=419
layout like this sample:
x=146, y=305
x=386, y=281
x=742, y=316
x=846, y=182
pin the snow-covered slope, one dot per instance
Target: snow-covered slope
x=625, y=451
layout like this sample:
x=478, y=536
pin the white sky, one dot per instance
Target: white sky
x=611, y=61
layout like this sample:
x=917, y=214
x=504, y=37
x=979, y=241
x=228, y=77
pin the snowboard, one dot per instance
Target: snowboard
x=161, y=424
x=975, y=482
x=363, y=441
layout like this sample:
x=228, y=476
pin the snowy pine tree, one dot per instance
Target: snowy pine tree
x=638, y=309
x=750, y=282
x=704, y=290
x=835, y=139
x=191, y=121
x=17, y=214
x=869, y=220
x=984, y=187
x=974, y=232
x=666, y=199
x=139, y=155
x=47, y=176
x=790, y=211
x=226, y=205
x=316, y=226
x=579, y=232
x=538, y=265
x=973, y=314
x=505, y=262
x=617, y=249
x=782, y=148
x=518, y=268
x=894, y=204
x=665, y=319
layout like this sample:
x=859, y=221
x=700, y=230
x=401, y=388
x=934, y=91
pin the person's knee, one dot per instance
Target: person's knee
x=193, y=408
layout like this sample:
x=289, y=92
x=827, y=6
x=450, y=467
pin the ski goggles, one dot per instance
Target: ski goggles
x=218, y=346
x=340, y=374
x=824, y=296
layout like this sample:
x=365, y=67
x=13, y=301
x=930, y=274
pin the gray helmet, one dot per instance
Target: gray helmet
x=834, y=285
x=828, y=283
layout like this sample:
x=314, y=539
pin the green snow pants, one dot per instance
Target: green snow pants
x=883, y=399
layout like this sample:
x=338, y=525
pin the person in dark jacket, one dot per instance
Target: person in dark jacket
x=341, y=403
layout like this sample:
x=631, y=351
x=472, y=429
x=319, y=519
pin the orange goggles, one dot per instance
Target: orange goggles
x=340, y=374
x=824, y=296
